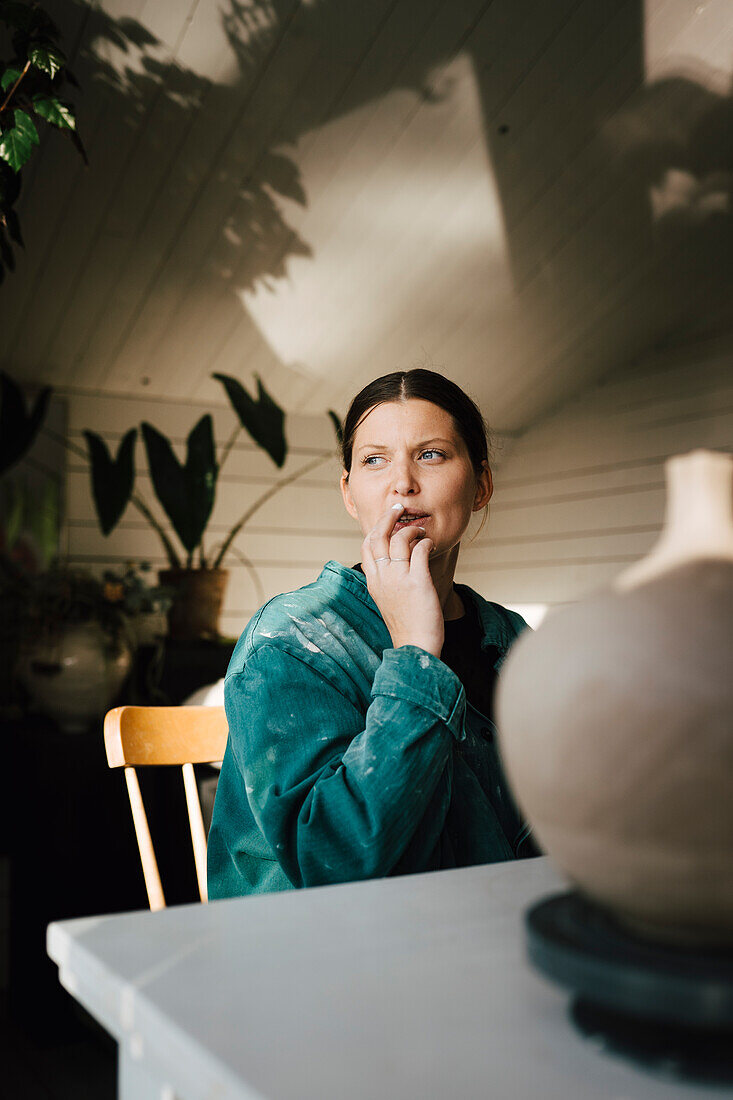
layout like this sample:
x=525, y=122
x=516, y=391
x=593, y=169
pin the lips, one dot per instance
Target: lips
x=408, y=518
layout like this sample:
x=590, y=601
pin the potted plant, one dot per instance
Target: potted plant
x=186, y=492
x=144, y=604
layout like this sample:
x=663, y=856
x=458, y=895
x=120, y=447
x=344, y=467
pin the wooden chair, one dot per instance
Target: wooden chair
x=183, y=735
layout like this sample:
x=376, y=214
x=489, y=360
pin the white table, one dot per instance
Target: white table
x=412, y=987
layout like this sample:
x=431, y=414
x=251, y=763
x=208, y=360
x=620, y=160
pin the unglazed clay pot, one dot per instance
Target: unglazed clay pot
x=616, y=724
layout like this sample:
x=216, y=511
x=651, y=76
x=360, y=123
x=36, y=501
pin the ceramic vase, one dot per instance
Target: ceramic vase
x=75, y=676
x=616, y=724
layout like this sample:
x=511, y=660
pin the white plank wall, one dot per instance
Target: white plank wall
x=581, y=495
x=287, y=542
x=578, y=496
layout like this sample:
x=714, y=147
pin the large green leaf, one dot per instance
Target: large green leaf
x=15, y=148
x=186, y=492
x=24, y=123
x=9, y=78
x=18, y=428
x=112, y=478
x=47, y=58
x=262, y=418
x=54, y=111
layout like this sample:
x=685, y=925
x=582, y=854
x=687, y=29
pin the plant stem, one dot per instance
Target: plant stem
x=263, y=500
x=10, y=94
x=228, y=446
x=170, y=551
x=259, y=590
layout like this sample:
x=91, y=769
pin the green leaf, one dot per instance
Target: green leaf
x=186, y=492
x=9, y=78
x=15, y=148
x=263, y=418
x=54, y=111
x=24, y=123
x=18, y=428
x=47, y=58
x=112, y=478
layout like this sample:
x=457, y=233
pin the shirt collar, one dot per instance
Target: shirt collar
x=494, y=623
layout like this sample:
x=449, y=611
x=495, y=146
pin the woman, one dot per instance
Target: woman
x=361, y=742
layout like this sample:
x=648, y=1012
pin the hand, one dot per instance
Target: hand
x=399, y=581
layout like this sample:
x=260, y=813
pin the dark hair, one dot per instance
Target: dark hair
x=427, y=385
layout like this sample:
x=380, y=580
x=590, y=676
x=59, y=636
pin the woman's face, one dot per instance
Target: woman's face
x=409, y=451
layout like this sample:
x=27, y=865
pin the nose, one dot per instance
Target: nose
x=404, y=477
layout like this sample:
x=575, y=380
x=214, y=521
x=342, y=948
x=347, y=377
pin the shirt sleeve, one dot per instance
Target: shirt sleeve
x=339, y=794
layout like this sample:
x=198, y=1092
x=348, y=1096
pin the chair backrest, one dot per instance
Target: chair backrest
x=145, y=736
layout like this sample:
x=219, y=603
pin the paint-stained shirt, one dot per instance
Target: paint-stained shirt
x=349, y=759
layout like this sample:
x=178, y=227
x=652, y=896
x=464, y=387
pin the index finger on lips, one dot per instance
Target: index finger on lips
x=376, y=544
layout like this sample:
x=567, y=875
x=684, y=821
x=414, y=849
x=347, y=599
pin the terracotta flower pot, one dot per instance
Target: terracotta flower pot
x=197, y=603
x=616, y=724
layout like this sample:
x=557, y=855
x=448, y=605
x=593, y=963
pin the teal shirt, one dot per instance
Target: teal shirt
x=349, y=759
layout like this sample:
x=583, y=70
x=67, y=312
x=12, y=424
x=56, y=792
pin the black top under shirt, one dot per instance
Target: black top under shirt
x=462, y=653
x=474, y=667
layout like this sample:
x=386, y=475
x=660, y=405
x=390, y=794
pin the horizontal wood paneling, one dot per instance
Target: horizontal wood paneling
x=462, y=198
x=577, y=498
x=582, y=494
x=289, y=539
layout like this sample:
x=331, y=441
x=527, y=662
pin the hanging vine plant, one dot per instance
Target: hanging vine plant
x=32, y=83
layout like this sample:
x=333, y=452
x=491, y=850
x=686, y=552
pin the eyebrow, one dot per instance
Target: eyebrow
x=384, y=447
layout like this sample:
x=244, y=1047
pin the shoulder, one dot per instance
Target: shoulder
x=289, y=621
x=514, y=622
x=501, y=625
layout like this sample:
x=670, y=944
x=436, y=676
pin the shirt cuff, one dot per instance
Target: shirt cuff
x=419, y=677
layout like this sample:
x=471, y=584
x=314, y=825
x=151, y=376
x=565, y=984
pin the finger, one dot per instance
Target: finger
x=420, y=554
x=403, y=542
x=379, y=535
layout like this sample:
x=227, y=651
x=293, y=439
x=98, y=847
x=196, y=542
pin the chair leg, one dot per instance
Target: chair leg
x=153, y=885
x=196, y=821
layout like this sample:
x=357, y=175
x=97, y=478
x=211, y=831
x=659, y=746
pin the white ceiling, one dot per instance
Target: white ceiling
x=524, y=194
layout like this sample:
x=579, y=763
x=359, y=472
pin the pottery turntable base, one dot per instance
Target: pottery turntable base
x=669, y=1009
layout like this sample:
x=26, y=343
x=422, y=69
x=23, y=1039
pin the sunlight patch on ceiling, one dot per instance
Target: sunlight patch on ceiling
x=695, y=39
x=404, y=223
x=692, y=49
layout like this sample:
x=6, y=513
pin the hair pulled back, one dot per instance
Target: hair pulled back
x=427, y=385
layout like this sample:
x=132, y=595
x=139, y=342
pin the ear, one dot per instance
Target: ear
x=346, y=494
x=484, y=487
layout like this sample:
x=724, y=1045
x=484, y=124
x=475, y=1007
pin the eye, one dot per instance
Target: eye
x=431, y=451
